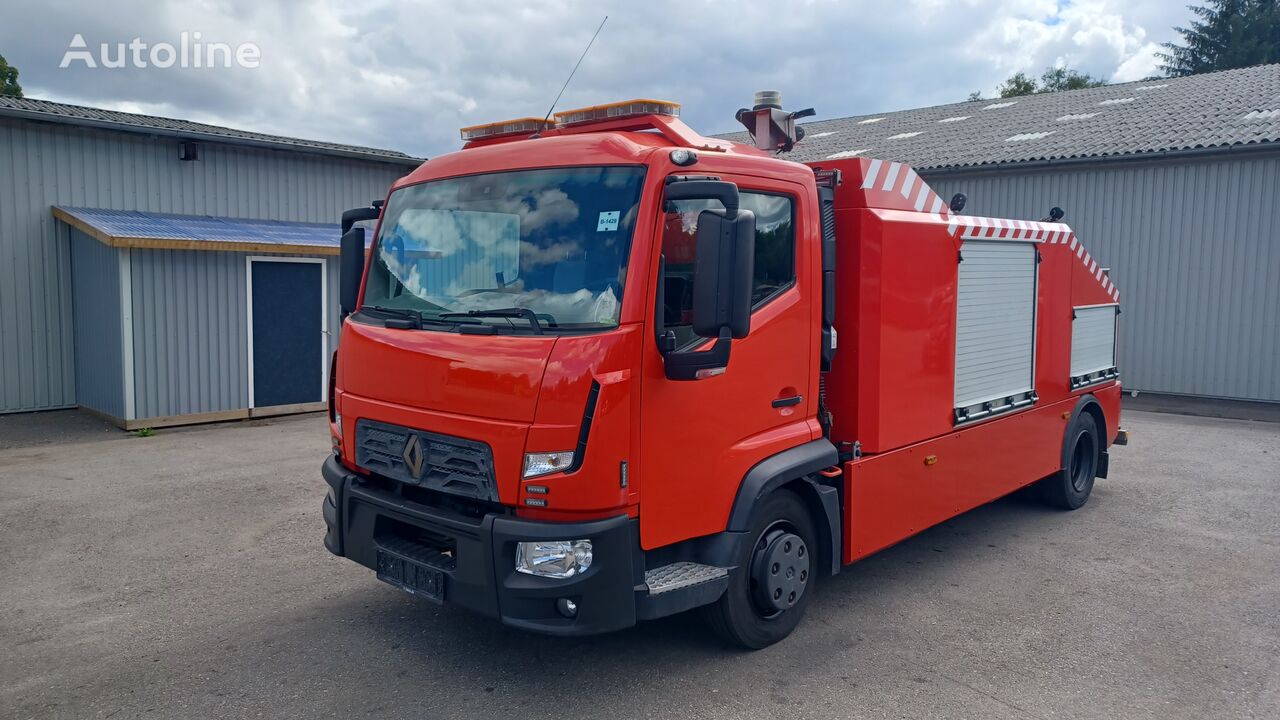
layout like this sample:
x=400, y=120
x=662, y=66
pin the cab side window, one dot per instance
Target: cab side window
x=775, y=255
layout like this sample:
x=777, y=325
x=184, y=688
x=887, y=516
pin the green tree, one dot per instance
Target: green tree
x=1225, y=34
x=1061, y=78
x=1053, y=79
x=1017, y=85
x=9, y=79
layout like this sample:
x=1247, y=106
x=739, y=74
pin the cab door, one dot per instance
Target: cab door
x=700, y=437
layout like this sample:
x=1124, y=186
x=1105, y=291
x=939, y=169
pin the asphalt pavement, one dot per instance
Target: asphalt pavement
x=182, y=575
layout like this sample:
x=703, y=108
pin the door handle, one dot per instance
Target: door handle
x=788, y=401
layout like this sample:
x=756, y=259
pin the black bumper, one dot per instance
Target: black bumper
x=479, y=571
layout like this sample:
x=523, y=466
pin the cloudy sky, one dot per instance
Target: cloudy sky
x=406, y=74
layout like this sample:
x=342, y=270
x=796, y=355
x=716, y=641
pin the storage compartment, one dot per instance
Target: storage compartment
x=995, y=328
x=891, y=381
x=1093, y=344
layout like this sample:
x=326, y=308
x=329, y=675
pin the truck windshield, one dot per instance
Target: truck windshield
x=551, y=241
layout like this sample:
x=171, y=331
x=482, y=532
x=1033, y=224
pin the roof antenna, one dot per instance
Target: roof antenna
x=571, y=73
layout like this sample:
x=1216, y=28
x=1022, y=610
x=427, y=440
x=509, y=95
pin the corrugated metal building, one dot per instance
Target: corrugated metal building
x=182, y=292
x=1171, y=183
x=182, y=319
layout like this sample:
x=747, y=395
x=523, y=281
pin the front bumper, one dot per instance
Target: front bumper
x=476, y=556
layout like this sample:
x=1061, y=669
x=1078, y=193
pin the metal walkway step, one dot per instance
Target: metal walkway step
x=681, y=575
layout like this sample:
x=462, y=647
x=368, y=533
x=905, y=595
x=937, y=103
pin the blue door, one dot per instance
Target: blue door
x=287, y=325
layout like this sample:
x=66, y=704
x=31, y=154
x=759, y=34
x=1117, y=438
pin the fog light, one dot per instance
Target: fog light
x=553, y=558
x=567, y=607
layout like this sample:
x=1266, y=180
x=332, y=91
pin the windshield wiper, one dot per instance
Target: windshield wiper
x=511, y=312
x=409, y=318
x=406, y=318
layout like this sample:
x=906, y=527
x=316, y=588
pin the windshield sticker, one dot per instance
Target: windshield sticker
x=608, y=221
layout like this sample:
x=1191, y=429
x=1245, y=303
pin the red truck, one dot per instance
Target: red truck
x=604, y=369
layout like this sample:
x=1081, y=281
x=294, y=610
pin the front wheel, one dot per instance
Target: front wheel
x=1070, y=488
x=774, y=578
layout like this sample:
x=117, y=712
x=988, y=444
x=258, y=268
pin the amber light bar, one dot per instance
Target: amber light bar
x=595, y=113
x=519, y=126
x=626, y=108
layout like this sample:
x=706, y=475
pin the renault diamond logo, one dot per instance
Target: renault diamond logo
x=413, y=456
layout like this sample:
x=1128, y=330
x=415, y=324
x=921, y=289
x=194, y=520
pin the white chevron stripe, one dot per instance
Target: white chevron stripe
x=892, y=177
x=909, y=184
x=873, y=171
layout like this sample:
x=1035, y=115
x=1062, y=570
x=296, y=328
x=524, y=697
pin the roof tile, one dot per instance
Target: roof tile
x=1233, y=107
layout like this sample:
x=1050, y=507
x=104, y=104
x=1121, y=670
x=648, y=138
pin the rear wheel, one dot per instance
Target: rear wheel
x=770, y=588
x=1070, y=488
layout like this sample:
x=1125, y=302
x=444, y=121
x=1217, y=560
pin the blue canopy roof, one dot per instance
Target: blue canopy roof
x=130, y=228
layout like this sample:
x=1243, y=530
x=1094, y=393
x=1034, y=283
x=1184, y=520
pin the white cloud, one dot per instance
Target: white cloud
x=406, y=75
x=1098, y=37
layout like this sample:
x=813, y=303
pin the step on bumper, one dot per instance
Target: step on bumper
x=678, y=587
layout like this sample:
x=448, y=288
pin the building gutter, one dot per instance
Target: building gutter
x=1154, y=156
x=196, y=135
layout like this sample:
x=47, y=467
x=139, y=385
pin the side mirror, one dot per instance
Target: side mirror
x=351, y=256
x=724, y=264
x=351, y=269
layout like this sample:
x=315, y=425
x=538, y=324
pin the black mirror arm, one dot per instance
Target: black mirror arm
x=695, y=364
x=725, y=192
x=351, y=217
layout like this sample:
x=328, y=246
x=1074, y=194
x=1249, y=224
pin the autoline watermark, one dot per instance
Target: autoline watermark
x=191, y=52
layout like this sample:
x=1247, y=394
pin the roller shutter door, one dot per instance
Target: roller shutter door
x=1093, y=343
x=995, y=327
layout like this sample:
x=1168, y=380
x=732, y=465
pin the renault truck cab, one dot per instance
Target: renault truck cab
x=581, y=377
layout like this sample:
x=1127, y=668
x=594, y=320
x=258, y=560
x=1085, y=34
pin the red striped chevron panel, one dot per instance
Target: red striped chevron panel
x=1090, y=281
x=891, y=185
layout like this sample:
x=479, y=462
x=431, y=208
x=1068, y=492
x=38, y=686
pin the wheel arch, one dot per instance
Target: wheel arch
x=792, y=470
x=1088, y=404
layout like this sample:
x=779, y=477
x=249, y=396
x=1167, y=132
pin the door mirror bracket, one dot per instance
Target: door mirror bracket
x=723, y=271
x=695, y=364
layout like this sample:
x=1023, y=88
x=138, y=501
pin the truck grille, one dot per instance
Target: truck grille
x=430, y=460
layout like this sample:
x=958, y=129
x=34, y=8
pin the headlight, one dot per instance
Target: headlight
x=553, y=558
x=536, y=464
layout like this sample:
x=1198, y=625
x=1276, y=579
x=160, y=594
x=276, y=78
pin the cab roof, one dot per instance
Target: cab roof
x=622, y=141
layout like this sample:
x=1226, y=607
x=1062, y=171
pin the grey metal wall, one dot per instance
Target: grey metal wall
x=1194, y=247
x=95, y=302
x=190, y=330
x=44, y=164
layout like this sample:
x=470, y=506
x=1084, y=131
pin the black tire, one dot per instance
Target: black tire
x=744, y=615
x=1069, y=488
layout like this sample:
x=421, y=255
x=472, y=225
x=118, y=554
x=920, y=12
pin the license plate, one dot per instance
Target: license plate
x=411, y=576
